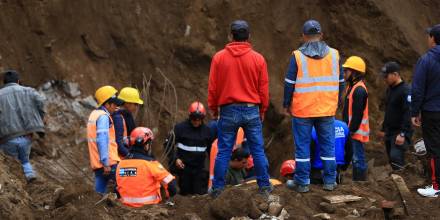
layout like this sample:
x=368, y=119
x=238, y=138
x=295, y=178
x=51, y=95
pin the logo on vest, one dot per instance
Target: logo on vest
x=339, y=132
x=129, y=171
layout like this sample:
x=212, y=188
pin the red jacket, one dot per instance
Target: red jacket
x=238, y=74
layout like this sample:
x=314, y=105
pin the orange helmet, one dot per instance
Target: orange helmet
x=140, y=136
x=197, y=110
x=288, y=167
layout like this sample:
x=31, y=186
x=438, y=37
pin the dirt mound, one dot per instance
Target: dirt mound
x=165, y=48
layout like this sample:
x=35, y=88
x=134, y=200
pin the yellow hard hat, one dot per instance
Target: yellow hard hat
x=130, y=95
x=104, y=93
x=355, y=63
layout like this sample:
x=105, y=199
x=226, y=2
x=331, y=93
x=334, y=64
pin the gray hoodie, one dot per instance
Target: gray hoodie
x=21, y=111
x=315, y=49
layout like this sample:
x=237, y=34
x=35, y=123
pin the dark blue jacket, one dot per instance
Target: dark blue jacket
x=426, y=83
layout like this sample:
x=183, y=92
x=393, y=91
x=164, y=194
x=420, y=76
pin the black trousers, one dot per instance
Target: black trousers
x=192, y=181
x=396, y=153
x=431, y=136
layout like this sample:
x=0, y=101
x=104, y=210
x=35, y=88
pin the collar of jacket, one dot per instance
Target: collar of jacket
x=104, y=109
x=10, y=84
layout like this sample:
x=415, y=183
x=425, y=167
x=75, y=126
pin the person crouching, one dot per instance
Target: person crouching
x=140, y=176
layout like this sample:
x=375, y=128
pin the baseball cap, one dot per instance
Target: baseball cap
x=311, y=27
x=390, y=67
x=239, y=26
x=434, y=31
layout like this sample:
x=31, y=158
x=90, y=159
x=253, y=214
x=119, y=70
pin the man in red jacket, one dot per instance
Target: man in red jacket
x=239, y=89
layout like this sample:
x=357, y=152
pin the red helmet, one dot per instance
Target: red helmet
x=288, y=167
x=197, y=110
x=140, y=136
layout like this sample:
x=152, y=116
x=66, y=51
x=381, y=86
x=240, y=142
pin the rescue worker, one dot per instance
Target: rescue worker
x=396, y=127
x=21, y=114
x=287, y=171
x=343, y=153
x=238, y=93
x=103, y=150
x=313, y=85
x=355, y=114
x=193, y=141
x=123, y=118
x=425, y=106
x=139, y=176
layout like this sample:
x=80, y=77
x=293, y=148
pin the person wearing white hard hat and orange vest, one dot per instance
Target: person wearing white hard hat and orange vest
x=355, y=113
x=140, y=176
x=103, y=150
x=124, y=120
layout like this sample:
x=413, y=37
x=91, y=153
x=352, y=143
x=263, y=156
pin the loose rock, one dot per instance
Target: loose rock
x=263, y=207
x=275, y=208
x=327, y=207
x=322, y=216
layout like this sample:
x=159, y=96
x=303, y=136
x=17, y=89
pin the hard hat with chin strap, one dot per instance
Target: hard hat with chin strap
x=355, y=63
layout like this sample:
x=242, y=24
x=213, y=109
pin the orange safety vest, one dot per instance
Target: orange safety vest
x=316, y=86
x=138, y=181
x=214, y=151
x=362, y=134
x=95, y=161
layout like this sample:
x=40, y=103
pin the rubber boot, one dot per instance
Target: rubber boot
x=359, y=175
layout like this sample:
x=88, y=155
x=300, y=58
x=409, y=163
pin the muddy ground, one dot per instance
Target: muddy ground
x=165, y=48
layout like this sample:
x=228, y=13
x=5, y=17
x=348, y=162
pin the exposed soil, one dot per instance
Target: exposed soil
x=165, y=48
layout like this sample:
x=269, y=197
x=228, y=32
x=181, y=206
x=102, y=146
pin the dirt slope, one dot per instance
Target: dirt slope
x=166, y=46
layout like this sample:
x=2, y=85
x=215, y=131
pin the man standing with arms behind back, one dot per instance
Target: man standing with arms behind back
x=425, y=106
x=239, y=89
x=312, y=88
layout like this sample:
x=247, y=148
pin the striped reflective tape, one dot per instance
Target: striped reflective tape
x=139, y=199
x=302, y=160
x=191, y=148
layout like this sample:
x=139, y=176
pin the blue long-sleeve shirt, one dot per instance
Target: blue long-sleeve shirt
x=425, y=92
x=102, y=137
x=118, y=121
x=289, y=82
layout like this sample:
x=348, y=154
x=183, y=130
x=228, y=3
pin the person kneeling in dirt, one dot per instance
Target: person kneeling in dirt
x=140, y=175
x=343, y=153
x=193, y=142
x=103, y=150
x=236, y=173
x=21, y=114
x=123, y=119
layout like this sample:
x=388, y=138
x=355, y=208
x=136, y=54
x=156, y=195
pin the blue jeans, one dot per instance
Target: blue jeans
x=302, y=133
x=102, y=180
x=20, y=148
x=359, y=161
x=231, y=118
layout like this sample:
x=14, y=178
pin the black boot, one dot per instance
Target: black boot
x=359, y=175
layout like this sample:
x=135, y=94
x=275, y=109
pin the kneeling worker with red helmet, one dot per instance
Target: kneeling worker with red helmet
x=140, y=176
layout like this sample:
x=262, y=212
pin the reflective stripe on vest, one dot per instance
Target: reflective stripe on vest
x=191, y=148
x=316, y=86
x=95, y=161
x=140, y=199
x=363, y=133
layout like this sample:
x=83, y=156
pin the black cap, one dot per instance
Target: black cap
x=239, y=26
x=434, y=31
x=390, y=67
x=311, y=27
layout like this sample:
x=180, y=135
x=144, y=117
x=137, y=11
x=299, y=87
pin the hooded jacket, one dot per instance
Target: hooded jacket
x=238, y=74
x=315, y=50
x=21, y=111
x=425, y=86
